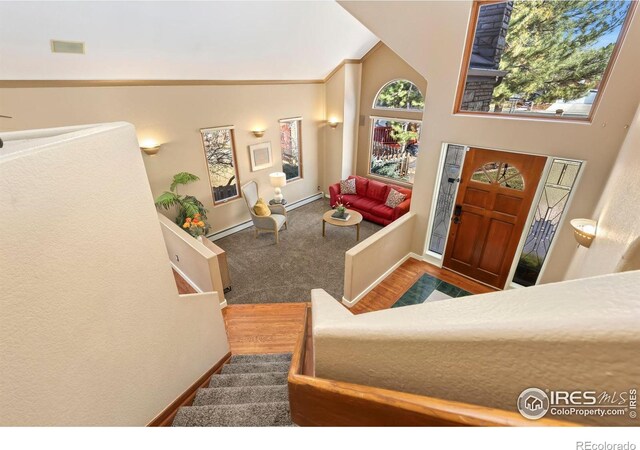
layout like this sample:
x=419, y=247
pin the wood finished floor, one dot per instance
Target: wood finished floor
x=264, y=328
x=183, y=286
x=391, y=289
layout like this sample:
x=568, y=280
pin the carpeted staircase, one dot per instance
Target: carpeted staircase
x=250, y=391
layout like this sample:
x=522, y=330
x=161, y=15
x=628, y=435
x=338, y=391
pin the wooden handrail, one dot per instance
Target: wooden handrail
x=322, y=402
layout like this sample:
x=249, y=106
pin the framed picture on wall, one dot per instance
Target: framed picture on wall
x=261, y=157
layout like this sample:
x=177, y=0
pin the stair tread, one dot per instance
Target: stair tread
x=241, y=395
x=260, y=358
x=261, y=367
x=248, y=379
x=245, y=415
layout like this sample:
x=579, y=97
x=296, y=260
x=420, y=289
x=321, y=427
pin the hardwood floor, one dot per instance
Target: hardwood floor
x=264, y=328
x=391, y=289
x=183, y=286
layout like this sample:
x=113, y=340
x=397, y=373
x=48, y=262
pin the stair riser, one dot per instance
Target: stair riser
x=241, y=395
x=258, y=379
x=256, y=368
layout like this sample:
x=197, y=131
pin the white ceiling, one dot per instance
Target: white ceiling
x=214, y=40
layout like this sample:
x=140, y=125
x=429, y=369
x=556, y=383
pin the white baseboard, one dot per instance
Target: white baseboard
x=223, y=304
x=350, y=303
x=249, y=223
x=186, y=278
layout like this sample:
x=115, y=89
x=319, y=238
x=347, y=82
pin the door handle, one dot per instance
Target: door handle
x=456, y=214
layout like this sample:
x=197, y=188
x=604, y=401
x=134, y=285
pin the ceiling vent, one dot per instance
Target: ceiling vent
x=67, y=47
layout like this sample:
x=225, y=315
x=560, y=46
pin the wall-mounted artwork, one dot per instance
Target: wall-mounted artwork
x=261, y=157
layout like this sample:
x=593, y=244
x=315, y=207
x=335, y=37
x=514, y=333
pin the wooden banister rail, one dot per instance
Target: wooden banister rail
x=322, y=402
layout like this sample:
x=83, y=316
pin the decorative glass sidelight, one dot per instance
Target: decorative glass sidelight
x=548, y=213
x=446, y=197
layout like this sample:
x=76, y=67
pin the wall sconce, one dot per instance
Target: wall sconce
x=258, y=133
x=333, y=122
x=584, y=231
x=150, y=147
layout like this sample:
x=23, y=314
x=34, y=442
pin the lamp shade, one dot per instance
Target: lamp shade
x=278, y=179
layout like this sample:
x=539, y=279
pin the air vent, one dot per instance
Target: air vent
x=67, y=47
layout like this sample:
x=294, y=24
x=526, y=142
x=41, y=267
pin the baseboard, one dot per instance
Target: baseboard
x=186, y=278
x=165, y=418
x=223, y=304
x=350, y=303
x=244, y=225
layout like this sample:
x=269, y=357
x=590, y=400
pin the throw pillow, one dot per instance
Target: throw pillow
x=261, y=208
x=348, y=186
x=394, y=198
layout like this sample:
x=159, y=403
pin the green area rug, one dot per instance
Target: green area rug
x=263, y=272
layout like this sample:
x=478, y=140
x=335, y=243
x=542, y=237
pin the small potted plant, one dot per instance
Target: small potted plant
x=195, y=226
x=341, y=207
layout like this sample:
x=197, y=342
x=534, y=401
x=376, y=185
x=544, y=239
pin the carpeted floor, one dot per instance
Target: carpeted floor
x=262, y=272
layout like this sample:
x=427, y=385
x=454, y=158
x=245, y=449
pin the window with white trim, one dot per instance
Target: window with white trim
x=394, y=148
x=291, y=147
x=219, y=151
x=399, y=95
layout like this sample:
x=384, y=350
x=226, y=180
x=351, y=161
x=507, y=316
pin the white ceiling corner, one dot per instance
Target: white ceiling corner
x=214, y=40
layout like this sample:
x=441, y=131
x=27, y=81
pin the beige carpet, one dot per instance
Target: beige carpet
x=262, y=272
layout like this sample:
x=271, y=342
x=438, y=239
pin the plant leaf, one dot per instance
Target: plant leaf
x=182, y=178
x=166, y=200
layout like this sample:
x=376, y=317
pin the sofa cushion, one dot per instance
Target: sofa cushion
x=394, y=198
x=361, y=184
x=364, y=204
x=347, y=200
x=402, y=190
x=382, y=211
x=377, y=191
x=348, y=187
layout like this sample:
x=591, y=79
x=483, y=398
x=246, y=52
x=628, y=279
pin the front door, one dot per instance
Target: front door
x=492, y=205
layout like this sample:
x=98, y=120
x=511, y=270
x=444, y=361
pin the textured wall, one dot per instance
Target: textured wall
x=617, y=215
x=487, y=349
x=92, y=330
x=173, y=115
x=439, y=60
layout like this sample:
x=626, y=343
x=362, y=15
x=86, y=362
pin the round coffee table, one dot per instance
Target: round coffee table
x=354, y=220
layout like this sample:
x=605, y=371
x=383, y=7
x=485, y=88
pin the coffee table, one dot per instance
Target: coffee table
x=354, y=220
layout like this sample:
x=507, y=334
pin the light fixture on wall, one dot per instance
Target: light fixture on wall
x=258, y=133
x=333, y=122
x=150, y=147
x=278, y=180
x=584, y=231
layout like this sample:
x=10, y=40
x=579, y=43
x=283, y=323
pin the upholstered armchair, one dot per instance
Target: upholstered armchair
x=268, y=224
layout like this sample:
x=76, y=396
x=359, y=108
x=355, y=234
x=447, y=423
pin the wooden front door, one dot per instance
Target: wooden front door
x=492, y=205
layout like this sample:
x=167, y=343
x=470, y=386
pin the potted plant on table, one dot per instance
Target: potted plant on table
x=341, y=207
x=188, y=207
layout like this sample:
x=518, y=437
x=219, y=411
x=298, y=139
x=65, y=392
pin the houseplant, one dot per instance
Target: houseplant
x=187, y=205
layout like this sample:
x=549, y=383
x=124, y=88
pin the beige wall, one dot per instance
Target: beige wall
x=380, y=67
x=334, y=107
x=434, y=47
x=173, y=115
x=487, y=349
x=92, y=329
x=618, y=216
x=371, y=260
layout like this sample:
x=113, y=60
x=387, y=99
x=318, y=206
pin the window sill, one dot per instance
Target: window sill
x=390, y=181
x=226, y=202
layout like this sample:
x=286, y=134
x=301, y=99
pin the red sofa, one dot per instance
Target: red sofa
x=370, y=199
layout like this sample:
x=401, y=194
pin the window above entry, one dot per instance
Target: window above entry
x=399, y=95
x=540, y=59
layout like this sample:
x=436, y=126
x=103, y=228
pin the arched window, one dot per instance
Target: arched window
x=399, y=95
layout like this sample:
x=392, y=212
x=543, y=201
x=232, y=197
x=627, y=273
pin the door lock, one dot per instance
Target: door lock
x=456, y=214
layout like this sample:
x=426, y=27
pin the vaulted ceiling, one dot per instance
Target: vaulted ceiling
x=265, y=40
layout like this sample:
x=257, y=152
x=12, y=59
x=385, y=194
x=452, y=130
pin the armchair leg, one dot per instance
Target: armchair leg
x=277, y=238
x=286, y=225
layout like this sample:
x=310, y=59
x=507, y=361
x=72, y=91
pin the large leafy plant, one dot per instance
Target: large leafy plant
x=187, y=205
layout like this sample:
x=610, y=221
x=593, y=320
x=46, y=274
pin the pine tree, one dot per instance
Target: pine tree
x=552, y=48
